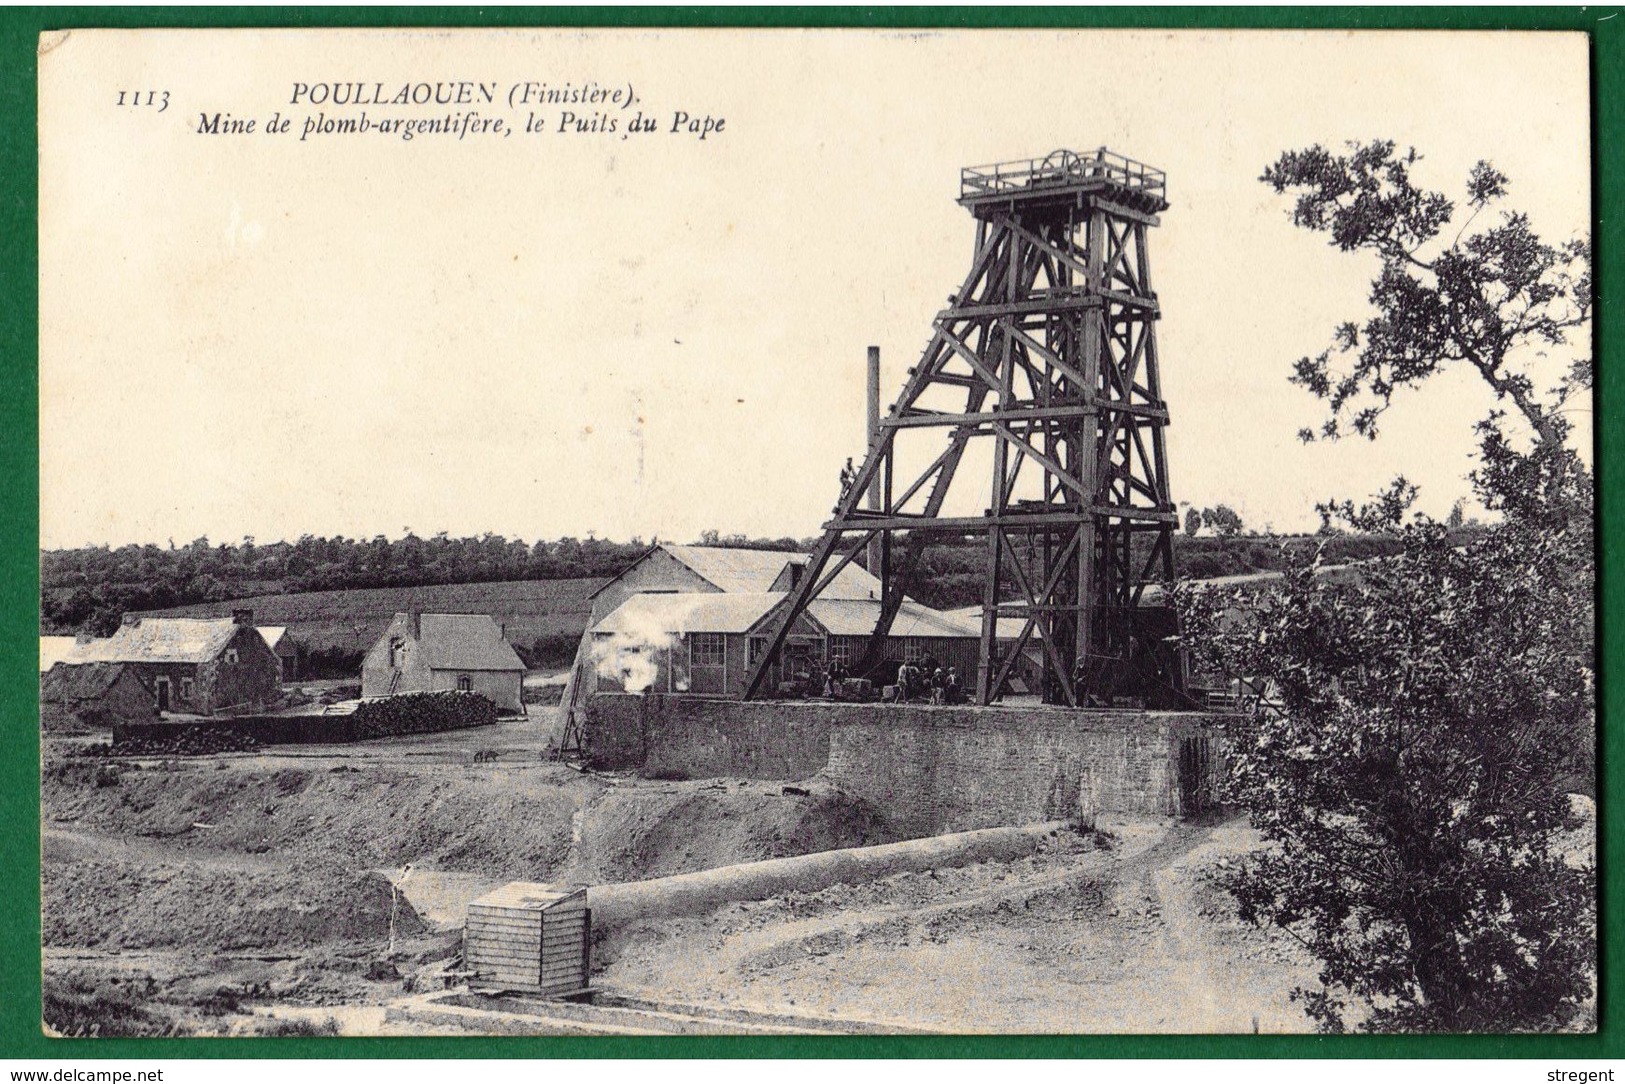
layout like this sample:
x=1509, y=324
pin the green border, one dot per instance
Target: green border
x=20, y=1034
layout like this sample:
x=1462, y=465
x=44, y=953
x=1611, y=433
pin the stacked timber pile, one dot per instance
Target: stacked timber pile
x=421, y=713
x=177, y=741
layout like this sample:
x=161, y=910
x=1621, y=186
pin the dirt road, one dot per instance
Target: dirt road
x=1131, y=939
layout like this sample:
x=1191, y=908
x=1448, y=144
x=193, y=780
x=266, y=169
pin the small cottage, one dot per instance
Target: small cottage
x=92, y=696
x=420, y=653
x=191, y=665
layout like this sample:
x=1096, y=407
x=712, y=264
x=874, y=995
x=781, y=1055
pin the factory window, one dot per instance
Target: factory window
x=913, y=650
x=706, y=649
x=758, y=647
x=465, y=684
x=840, y=649
x=186, y=688
x=231, y=657
x=397, y=653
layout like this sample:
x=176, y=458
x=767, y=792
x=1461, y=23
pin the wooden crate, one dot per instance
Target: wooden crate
x=527, y=937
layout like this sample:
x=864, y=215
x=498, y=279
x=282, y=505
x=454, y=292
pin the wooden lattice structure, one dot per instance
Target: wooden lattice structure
x=1048, y=350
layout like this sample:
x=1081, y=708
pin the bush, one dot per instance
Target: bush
x=422, y=713
x=278, y=1027
x=82, y=1007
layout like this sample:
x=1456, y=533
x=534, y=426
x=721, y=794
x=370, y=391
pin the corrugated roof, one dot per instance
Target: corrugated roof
x=54, y=649
x=857, y=617
x=161, y=639
x=464, y=642
x=651, y=615
x=83, y=681
x=755, y=571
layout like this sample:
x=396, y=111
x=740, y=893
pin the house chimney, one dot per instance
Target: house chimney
x=874, y=443
x=132, y=620
x=242, y=617
x=414, y=622
x=82, y=637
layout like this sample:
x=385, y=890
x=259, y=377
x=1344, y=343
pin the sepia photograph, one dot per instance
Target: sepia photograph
x=816, y=532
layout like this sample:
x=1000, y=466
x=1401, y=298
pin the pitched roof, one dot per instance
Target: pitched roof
x=857, y=617
x=53, y=649
x=1009, y=628
x=745, y=571
x=852, y=582
x=464, y=642
x=737, y=570
x=83, y=681
x=161, y=639
x=652, y=615
x=271, y=634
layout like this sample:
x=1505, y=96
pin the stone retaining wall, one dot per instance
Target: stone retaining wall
x=927, y=769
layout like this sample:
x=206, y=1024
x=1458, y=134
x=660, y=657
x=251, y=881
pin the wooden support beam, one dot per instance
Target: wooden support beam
x=989, y=417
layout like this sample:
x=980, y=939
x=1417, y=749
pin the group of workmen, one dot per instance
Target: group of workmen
x=924, y=679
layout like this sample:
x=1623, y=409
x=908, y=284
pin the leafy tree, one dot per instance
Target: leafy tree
x=1493, y=301
x=1222, y=520
x=1410, y=772
x=1409, y=778
x=1193, y=522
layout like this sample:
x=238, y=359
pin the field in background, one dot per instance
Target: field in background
x=552, y=612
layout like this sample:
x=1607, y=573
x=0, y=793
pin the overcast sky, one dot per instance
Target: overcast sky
x=547, y=335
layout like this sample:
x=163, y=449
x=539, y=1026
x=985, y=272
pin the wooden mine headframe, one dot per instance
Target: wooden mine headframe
x=1049, y=350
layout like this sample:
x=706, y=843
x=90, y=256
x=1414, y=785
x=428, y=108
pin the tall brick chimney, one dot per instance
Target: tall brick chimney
x=243, y=617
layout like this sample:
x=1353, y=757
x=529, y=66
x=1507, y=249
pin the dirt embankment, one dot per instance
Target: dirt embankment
x=189, y=894
x=246, y=851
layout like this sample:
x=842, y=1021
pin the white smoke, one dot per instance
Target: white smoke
x=631, y=656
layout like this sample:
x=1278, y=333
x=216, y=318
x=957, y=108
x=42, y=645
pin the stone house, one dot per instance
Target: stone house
x=197, y=666
x=422, y=652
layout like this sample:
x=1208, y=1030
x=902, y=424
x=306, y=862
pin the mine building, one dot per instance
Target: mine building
x=665, y=568
x=190, y=665
x=421, y=653
x=690, y=620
